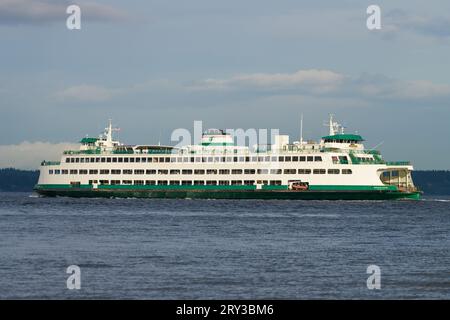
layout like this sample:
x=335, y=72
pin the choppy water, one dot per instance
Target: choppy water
x=194, y=249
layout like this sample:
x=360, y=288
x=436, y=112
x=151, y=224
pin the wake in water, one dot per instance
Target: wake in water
x=436, y=200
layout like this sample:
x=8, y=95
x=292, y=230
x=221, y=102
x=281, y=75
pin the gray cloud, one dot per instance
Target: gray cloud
x=328, y=83
x=41, y=12
x=425, y=25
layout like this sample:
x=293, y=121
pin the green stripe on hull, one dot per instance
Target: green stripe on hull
x=224, y=194
x=351, y=188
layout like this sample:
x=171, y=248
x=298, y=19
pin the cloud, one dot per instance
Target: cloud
x=40, y=12
x=316, y=80
x=97, y=93
x=88, y=93
x=425, y=25
x=327, y=83
x=28, y=155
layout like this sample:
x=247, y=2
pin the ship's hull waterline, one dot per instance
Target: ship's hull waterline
x=228, y=194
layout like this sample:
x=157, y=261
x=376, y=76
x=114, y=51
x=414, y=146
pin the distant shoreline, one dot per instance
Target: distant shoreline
x=432, y=182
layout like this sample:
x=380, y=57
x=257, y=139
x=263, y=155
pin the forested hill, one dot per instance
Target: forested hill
x=17, y=180
x=429, y=181
x=432, y=181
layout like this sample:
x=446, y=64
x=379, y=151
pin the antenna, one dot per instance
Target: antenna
x=331, y=124
x=301, y=129
x=159, y=140
x=377, y=145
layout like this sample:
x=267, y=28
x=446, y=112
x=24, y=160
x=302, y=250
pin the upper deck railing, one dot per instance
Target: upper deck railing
x=50, y=163
x=398, y=163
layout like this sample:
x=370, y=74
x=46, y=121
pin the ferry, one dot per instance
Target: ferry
x=338, y=167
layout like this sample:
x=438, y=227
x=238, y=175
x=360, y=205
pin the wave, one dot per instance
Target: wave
x=436, y=200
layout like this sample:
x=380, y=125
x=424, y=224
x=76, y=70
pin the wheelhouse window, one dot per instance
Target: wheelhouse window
x=346, y=171
x=319, y=171
x=333, y=171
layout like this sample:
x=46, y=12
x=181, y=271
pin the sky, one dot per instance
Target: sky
x=157, y=65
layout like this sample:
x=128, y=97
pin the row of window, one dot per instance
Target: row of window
x=202, y=171
x=184, y=183
x=194, y=159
